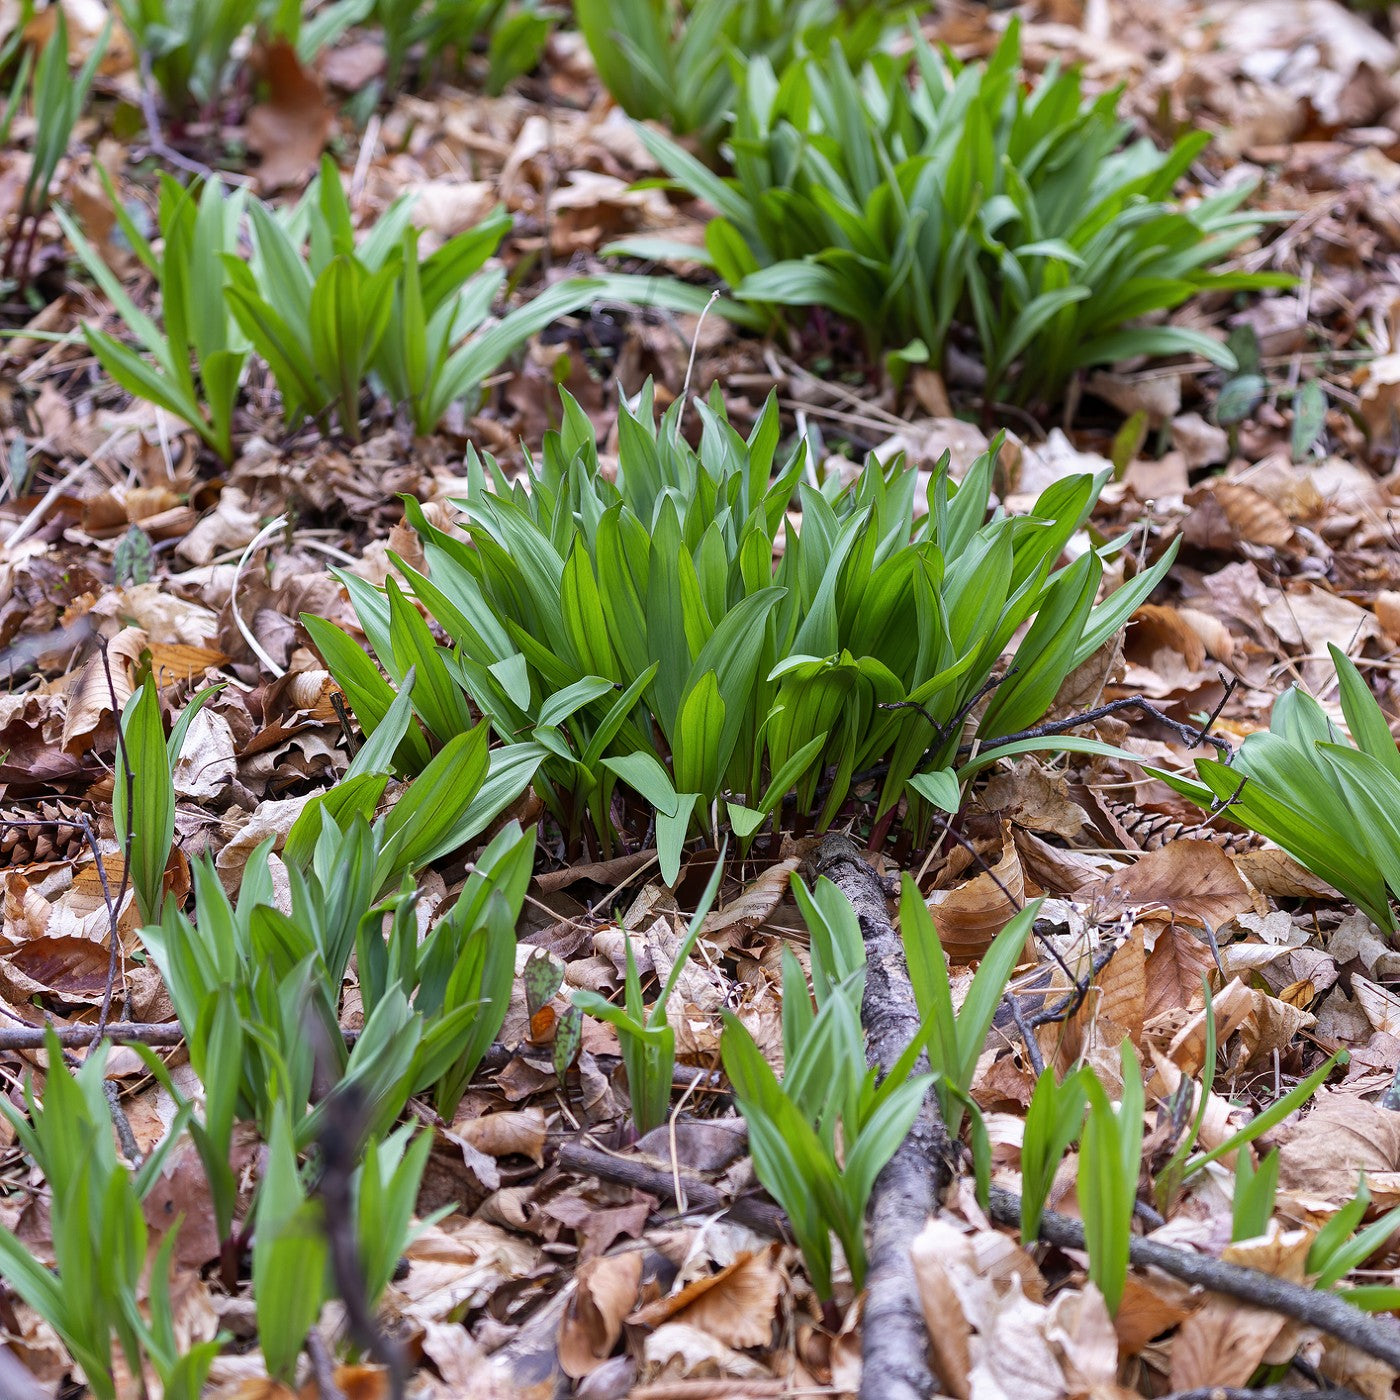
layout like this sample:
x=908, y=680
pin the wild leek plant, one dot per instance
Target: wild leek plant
x=143, y=806
x=330, y=311
x=646, y=1038
x=1110, y=1161
x=1252, y=1205
x=636, y=628
x=821, y=1135
x=94, y=1291
x=257, y=992
x=188, y=47
x=676, y=61
x=57, y=99
x=957, y=1039
x=513, y=34
x=918, y=194
x=195, y=348
x=1054, y=1120
x=1333, y=805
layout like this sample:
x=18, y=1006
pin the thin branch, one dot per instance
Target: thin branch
x=1192, y=735
x=155, y=1033
x=322, y=1366
x=756, y=1212
x=156, y=144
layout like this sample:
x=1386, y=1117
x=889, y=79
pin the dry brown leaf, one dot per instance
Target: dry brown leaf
x=737, y=1305
x=969, y=917
x=513, y=1131
x=91, y=691
x=1343, y=1136
x=1230, y=1007
x=1148, y=1308
x=1175, y=967
x=605, y=1292
x=289, y=130
x=1221, y=1345
x=1193, y=880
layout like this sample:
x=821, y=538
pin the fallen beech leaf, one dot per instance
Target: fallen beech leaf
x=1222, y=1344
x=1175, y=967
x=74, y=969
x=1380, y=1005
x=510, y=1132
x=936, y=1254
x=91, y=691
x=1148, y=1309
x=1343, y=1136
x=290, y=129
x=1192, y=880
x=737, y=1305
x=606, y=1289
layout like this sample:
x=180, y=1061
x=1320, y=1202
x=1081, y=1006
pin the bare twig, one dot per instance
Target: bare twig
x=156, y=1033
x=156, y=144
x=1268, y=1392
x=756, y=1212
x=1194, y=736
x=341, y=1141
x=322, y=1366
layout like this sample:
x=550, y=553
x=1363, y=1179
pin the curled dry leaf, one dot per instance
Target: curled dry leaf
x=971, y=915
x=91, y=691
x=512, y=1132
x=605, y=1292
x=737, y=1305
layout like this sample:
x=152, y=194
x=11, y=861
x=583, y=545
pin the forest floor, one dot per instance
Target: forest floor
x=553, y=1271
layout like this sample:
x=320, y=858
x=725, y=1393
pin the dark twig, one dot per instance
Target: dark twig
x=756, y=1212
x=1191, y=735
x=1317, y=1307
x=1267, y=1392
x=322, y=1367
x=156, y=144
x=121, y=1122
x=341, y=1141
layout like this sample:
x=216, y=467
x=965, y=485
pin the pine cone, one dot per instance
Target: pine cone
x=1153, y=830
x=57, y=837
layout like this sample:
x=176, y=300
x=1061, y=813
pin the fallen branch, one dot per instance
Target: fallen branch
x=117, y=1032
x=1329, y=1312
x=894, y=1339
x=757, y=1214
